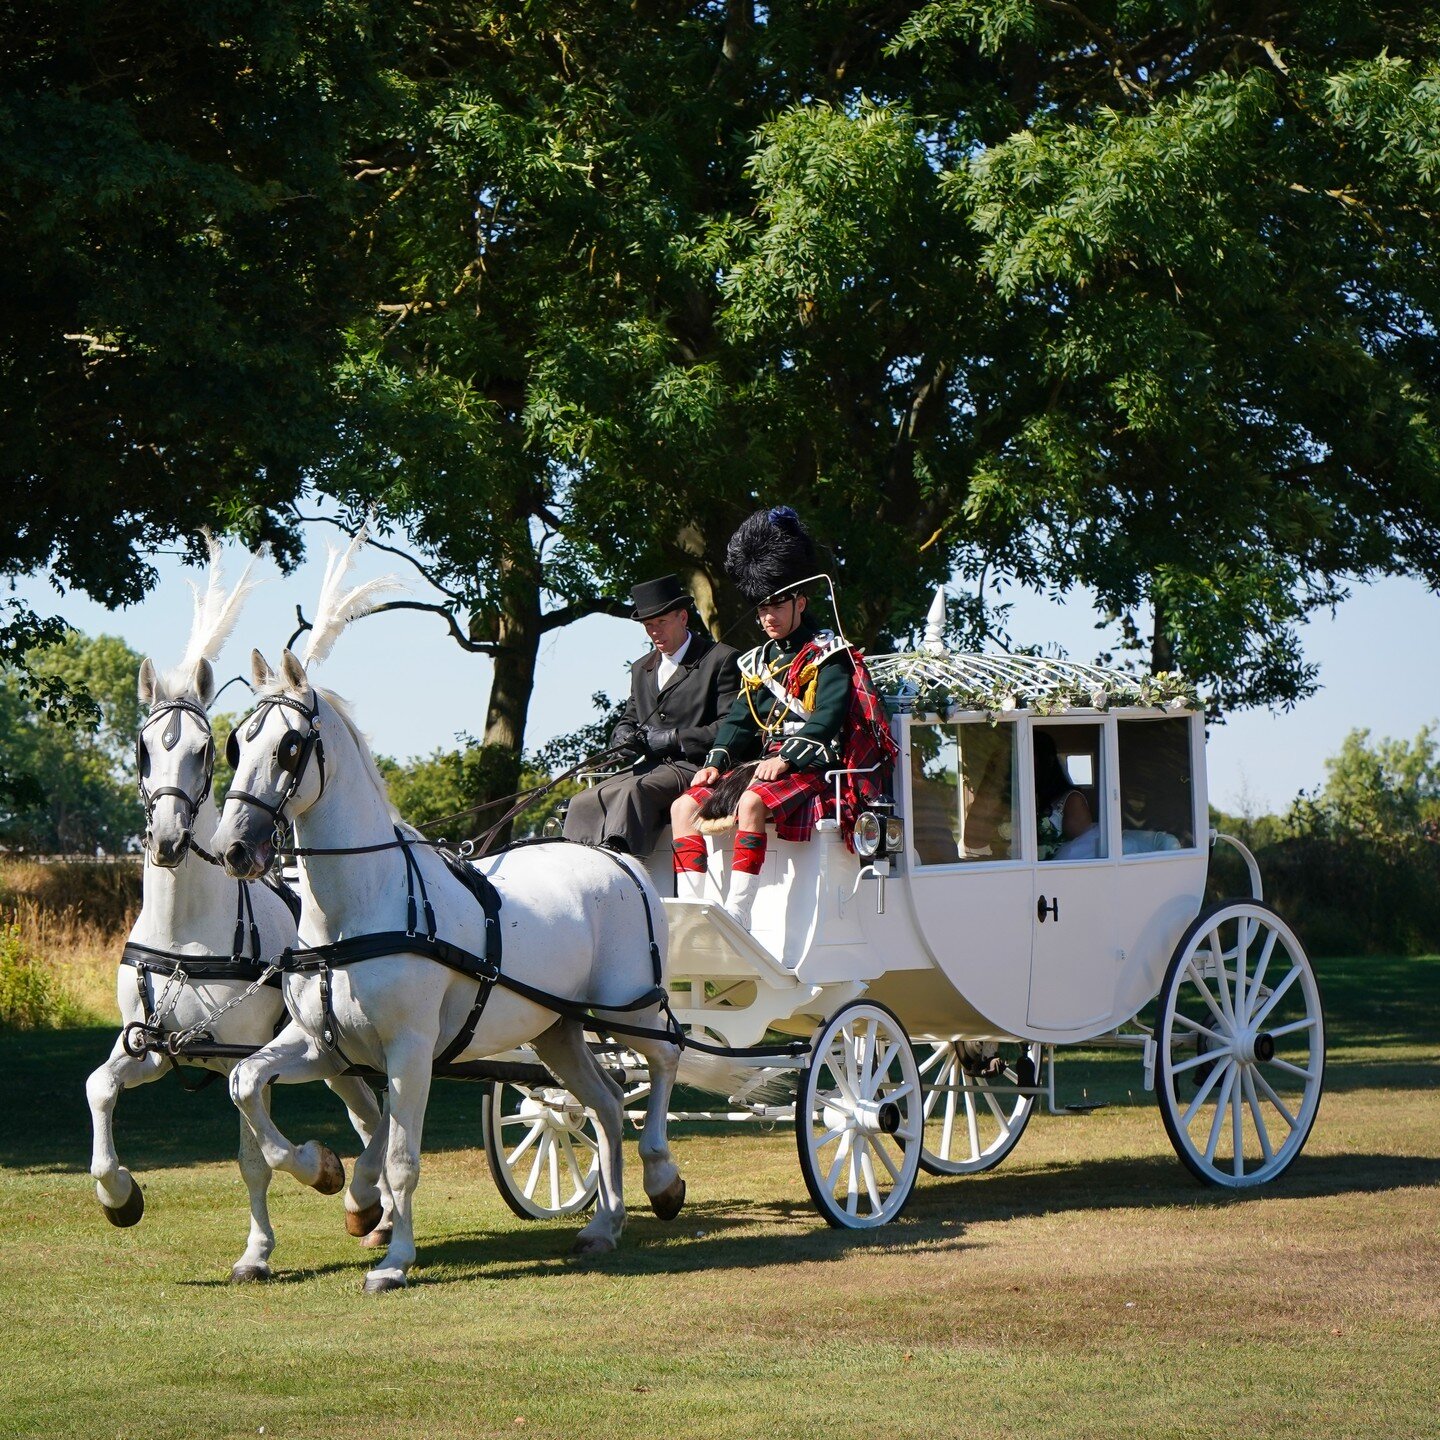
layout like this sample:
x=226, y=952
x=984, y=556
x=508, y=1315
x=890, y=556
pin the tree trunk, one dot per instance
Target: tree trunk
x=1162, y=649
x=518, y=646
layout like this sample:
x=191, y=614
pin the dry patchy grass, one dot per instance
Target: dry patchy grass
x=1087, y=1288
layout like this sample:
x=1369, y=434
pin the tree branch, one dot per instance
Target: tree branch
x=374, y=544
x=579, y=609
x=475, y=647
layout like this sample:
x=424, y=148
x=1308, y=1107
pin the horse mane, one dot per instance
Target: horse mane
x=337, y=607
x=216, y=611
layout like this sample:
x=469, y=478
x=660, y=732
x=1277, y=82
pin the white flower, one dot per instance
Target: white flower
x=1100, y=698
x=1176, y=703
x=1010, y=702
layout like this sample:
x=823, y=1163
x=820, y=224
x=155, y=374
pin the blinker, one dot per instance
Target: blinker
x=287, y=752
x=232, y=749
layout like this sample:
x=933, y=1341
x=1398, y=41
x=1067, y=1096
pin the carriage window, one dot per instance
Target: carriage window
x=1157, y=798
x=1069, y=793
x=962, y=792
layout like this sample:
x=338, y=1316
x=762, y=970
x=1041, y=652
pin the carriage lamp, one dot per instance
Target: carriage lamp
x=555, y=825
x=878, y=831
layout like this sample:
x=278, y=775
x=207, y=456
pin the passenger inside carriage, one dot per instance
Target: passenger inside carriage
x=793, y=720
x=1066, y=827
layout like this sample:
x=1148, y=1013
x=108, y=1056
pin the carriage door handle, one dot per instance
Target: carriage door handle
x=1052, y=909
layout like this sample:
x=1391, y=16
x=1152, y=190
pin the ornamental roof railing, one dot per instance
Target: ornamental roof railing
x=924, y=680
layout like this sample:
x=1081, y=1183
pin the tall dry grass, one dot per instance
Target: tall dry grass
x=73, y=917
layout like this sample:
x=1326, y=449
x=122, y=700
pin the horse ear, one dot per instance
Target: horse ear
x=260, y=671
x=149, y=687
x=204, y=681
x=292, y=672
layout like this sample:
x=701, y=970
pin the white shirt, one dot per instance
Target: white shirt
x=669, y=664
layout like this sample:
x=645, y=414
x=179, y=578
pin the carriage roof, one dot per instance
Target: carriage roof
x=939, y=681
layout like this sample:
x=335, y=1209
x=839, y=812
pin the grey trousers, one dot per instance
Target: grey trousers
x=631, y=808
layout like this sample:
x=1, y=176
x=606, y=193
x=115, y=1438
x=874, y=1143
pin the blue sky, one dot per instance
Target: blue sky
x=415, y=690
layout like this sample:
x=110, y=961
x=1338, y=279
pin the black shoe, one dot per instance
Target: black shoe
x=617, y=843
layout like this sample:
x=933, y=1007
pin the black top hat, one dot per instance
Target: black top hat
x=770, y=555
x=655, y=597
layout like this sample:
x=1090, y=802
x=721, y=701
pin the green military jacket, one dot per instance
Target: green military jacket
x=806, y=726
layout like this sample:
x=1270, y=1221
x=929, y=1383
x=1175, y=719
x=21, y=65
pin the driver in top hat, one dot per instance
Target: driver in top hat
x=678, y=695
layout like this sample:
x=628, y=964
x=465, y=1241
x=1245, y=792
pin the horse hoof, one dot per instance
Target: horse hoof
x=362, y=1222
x=667, y=1204
x=331, y=1180
x=378, y=1281
x=588, y=1245
x=377, y=1239
x=242, y=1274
x=130, y=1212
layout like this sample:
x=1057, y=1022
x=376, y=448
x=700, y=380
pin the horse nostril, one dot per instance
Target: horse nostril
x=237, y=857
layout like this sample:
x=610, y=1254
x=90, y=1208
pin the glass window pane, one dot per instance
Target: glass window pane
x=962, y=792
x=1070, y=791
x=1157, y=796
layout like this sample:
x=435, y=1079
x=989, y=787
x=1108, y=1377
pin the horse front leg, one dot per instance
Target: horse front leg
x=369, y=1208
x=562, y=1047
x=409, y=1060
x=664, y=1185
x=118, y=1191
x=291, y=1058
x=254, y=1264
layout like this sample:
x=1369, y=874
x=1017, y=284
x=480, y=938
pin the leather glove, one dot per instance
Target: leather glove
x=661, y=742
x=629, y=737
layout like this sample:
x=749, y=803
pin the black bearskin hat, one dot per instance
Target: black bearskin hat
x=769, y=554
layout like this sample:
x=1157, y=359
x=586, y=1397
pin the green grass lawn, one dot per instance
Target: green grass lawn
x=1086, y=1288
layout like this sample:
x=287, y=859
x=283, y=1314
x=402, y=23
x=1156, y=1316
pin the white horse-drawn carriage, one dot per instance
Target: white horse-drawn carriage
x=928, y=978
x=1036, y=880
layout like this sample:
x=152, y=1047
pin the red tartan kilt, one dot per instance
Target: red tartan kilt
x=795, y=801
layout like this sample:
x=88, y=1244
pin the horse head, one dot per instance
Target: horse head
x=279, y=761
x=174, y=757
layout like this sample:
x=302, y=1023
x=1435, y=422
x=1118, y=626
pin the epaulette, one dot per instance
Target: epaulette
x=750, y=663
x=829, y=645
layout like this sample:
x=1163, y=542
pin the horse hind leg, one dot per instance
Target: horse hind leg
x=369, y=1208
x=664, y=1185
x=563, y=1049
x=254, y=1264
x=118, y=1191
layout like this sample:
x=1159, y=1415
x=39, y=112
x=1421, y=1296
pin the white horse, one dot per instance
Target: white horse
x=214, y=927
x=573, y=923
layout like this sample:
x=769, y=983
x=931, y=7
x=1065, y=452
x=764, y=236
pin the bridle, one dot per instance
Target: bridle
x=291, y=755
x=169, y=738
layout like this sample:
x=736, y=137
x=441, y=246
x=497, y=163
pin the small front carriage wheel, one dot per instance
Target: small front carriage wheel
x=1240, y=1046
x=541, y=1145
x=974, y=1120
x=859, y=1118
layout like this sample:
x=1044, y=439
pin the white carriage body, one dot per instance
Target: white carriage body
x=962, y=948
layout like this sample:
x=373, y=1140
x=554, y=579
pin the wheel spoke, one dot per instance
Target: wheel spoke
x=1199, y=982
x=537, y=1129
x=567, y=1148
x=867, y=1171
x=1217, y=1124
x=1198, y=1028
x=1289, y=1069
x=1308, y=1023
x=840, y=1072
x=554, y=1169
x=994, y=1105
x=1261, y=965
x=1217, y=949
x=886, y=1056
x=1274, y=1099
x=842, y=1153
x=1253, y=1102
x=1205, y=1088
x=972, y=1124
x=947, y=1130
x=852, y=1186
x=1205, y=1057
x=537, y=1165
x=1237, y=1131
x=1275, y=996
x=877, y=1145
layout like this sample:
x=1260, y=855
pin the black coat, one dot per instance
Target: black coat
x=697, y=698
x=630, y=809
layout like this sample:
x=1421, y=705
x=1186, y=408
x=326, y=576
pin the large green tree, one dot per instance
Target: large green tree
x=179, y=183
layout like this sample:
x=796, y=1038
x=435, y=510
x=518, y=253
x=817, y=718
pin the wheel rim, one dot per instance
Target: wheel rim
x=972, y=1122
x=1241, y=1047
x=860, y=1118
x=542, y=1149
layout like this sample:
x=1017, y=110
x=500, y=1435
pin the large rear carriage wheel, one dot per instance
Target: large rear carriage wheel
x=973, y=1116
x=1241, y=1046
x=859, y=1118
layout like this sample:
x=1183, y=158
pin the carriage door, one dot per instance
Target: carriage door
x=1073, y=958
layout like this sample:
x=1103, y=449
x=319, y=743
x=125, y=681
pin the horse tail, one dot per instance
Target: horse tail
x=717, y=814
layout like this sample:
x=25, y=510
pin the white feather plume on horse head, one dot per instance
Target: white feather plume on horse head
x=337, y=607
x=216, y=611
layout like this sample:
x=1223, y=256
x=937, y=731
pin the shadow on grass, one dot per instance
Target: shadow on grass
x=718, y=1235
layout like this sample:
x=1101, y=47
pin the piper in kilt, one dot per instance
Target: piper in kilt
x=785, y=727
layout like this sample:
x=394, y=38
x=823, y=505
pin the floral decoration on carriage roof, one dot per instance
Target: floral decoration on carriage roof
x=938, y=684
